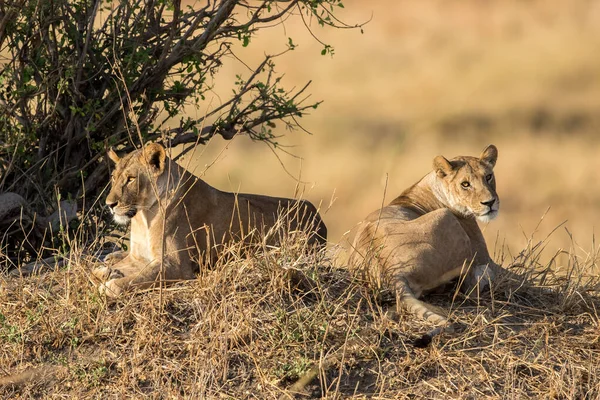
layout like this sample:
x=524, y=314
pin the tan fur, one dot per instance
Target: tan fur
x=429, y=234
x=179, y=221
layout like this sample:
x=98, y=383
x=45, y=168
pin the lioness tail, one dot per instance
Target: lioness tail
x=406, y=298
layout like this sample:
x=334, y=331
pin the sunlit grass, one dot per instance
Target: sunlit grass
x=253, y=325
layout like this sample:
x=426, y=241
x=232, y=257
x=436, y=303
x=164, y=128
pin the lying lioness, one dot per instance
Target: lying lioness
x=429, y=234
x=179, y=221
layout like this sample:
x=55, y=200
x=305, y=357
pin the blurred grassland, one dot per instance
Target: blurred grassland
x=429, y=78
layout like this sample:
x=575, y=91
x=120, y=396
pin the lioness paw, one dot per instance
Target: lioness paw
x=110, y=289
x=101, y=273
x=115, y=257
x=115, y=274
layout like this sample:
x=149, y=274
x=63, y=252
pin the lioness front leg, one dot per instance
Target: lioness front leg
x=124, y=277
x=139, y=275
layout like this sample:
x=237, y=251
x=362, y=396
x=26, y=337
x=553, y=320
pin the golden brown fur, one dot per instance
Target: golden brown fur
x=429, y=234
x=179, y=221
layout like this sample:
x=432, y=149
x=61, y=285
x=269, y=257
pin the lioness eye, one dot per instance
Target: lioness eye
x=465, y=184
x=130, y=179
x=489, y=177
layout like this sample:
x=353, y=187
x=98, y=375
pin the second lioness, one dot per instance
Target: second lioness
x=429, y=234
x=179, y=221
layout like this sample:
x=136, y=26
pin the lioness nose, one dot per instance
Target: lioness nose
x=111, y=205
x=488, y=203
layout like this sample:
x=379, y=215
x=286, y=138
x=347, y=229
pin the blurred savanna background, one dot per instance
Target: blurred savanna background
x=427, y=78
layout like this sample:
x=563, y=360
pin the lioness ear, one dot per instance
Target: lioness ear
x=113, y=156
x=155, y=155
x=489, y=155
x=441, y=166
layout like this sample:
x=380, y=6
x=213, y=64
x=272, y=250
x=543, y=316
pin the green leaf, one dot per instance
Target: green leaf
x=291, y=44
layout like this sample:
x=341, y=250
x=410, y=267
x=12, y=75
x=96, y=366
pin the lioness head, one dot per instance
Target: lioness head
x=468, y=184
x=136, y=181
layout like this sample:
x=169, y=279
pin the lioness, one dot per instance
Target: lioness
x=429, y=234
x=179, y=221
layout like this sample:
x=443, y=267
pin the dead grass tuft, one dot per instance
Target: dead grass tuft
x=253, y=325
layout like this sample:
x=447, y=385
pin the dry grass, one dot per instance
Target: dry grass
x=253, y=325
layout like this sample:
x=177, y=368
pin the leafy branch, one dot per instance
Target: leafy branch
x=79, y=74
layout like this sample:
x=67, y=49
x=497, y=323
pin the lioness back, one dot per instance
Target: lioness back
x=429, y=235
x=178, y=221
x=296, y=215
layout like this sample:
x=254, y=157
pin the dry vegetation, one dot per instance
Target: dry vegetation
x=426, y=78
x=250, y=327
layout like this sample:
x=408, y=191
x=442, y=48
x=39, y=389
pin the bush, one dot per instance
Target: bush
x=82, y=76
